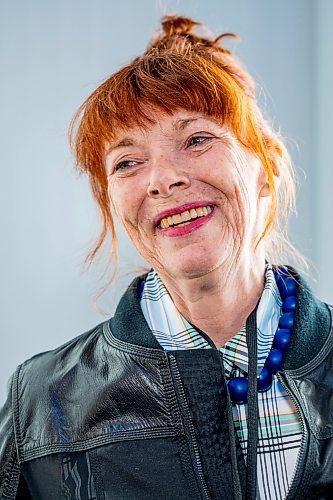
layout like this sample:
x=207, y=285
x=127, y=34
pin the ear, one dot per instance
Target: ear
x=264, y=190
x=264, y=187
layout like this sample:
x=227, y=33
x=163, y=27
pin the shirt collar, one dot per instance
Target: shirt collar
x=174, y=332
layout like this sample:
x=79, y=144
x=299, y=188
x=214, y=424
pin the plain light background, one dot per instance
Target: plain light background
x=52, y=56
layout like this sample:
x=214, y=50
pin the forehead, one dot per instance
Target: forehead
x=162, y=122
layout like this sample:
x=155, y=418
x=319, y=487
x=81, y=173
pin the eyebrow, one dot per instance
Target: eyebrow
x=180, y=124
x=126, y=141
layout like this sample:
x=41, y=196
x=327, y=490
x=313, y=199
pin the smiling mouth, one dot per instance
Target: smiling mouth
x=186, y=217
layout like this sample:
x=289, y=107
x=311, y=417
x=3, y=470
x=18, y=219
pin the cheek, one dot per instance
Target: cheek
x=120, y=199
x=126, y=203
x=230, y=177
x=226, y=178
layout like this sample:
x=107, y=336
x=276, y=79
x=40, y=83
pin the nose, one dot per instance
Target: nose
x=165, y=179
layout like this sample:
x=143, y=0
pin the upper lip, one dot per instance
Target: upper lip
x=180, y=209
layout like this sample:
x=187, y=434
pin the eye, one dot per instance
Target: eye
x=198, y=140
x=125, y=165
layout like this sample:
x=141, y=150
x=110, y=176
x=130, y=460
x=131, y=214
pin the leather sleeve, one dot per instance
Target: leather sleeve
x=10, y=473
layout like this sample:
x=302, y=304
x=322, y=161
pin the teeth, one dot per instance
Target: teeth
x=185, y=216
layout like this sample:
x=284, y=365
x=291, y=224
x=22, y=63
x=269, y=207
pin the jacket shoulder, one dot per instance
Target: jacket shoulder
x=45, y=384
x=53, y=363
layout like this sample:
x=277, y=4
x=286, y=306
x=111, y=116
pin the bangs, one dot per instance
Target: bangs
x=168, y=83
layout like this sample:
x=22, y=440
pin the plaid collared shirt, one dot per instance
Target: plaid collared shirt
x=279, y=427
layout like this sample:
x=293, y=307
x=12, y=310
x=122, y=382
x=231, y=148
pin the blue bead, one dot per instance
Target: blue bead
x=274, y=360
x=286, y=321
x=264, y=380
x=282, y=339
x=278, y=277
x=238, y=388
x=289, y=304
x=287, y=287
x=281, y=274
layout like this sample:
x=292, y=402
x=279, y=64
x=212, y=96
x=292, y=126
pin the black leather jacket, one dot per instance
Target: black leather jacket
x=109, y=415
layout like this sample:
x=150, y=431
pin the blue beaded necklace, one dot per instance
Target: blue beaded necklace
x=238, y=386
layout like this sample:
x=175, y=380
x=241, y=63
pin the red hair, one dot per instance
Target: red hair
x=181, y=70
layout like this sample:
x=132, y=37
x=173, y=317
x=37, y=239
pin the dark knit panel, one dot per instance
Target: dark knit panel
x=206, y=396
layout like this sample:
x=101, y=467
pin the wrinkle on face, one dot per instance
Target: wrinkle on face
x=222, y=171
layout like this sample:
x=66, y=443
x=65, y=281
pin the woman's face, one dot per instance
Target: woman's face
x=190, y=197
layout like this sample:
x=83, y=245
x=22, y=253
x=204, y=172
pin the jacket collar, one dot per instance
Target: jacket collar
x=312, y=326
x=311, y=329
x=128, y=323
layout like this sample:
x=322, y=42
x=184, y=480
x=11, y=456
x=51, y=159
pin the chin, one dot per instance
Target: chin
x=194, y=267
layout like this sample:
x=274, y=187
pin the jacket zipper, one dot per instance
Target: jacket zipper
x=190, y=425
x=297, y=476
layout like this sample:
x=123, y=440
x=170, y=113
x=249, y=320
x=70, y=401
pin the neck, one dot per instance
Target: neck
x=219, y=302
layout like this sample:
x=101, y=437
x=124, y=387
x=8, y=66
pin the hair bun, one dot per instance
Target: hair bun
x=177, y=25
x=184, y=27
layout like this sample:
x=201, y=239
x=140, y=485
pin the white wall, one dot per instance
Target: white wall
x=52, y=55
x=321, y=197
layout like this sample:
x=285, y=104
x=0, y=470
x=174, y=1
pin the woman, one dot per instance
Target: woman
x=214, y=377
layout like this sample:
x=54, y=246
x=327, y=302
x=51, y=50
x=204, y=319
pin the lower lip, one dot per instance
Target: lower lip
x=189, y=228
